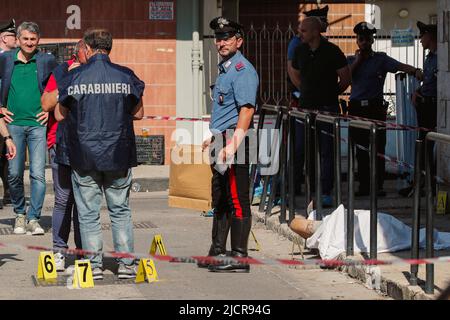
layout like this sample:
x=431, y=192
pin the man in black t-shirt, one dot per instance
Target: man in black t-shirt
x=321, y=69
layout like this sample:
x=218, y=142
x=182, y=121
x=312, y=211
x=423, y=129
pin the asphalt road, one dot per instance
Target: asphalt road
x=184, y=233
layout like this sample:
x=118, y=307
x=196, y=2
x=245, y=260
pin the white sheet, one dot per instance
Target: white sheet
x=393, y=235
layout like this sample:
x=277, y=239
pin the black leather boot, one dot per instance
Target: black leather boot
x=220, y=229
x=240, y=230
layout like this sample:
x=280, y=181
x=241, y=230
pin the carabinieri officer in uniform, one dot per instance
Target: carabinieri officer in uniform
x=369, y=69
x=234, y=95
x=425, y=98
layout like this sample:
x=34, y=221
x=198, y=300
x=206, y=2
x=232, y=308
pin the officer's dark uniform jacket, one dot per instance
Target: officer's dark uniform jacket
x=426, y=106
x=430, y=69
x=101, y=96
x=45, y=63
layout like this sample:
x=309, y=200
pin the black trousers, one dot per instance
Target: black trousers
x=426, y=110
x=231, y=190
x=378, y=111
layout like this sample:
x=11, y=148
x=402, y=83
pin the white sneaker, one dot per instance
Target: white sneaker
x=70, y=269
x=34, y=228
x=97, y=273
x=127, y=272
x=20, y=224
x=59, y=261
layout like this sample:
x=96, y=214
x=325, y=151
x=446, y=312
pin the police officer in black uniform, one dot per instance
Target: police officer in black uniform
x=322, y=14
x=425, y=97
x=369, y=69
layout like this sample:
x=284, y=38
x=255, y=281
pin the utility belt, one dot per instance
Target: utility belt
x=369, y=103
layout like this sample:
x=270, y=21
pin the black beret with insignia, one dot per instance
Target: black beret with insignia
x=426, y=28
x=225, y=28
x=9, y=26
x=364, y=28
x=322, y=13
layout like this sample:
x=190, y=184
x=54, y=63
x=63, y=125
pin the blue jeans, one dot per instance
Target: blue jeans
x=65, y=206
x=88, y=188
x=36, y=140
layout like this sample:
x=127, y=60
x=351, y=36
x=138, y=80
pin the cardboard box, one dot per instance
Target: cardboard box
x=190, y=178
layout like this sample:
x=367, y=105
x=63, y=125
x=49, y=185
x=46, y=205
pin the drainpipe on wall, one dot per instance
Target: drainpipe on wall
x=196, y=61
x=196, y=65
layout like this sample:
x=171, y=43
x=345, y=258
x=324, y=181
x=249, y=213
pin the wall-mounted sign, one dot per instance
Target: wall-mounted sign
x=73, y=22
x=161, y=10
x=402, y=38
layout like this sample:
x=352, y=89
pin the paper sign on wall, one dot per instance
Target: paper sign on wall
x=402, y=38
x=161, y=10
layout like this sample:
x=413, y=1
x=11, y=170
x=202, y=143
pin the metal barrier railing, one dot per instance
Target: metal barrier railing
x=254, y=166
x=283, y=164
x=429, y=139
x=306, y=117
x=414, y=269
x=373, y=129
x=335, y=121
x=285, y=123
x=269, y=178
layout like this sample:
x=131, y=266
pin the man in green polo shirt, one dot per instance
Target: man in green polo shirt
x=24, y=72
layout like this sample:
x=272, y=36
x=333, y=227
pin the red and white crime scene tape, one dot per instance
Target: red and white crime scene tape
x=225, y=260
x=387, y=125
x=169, y=118
x=390, y=159
x=249, y=260
x=391, y=126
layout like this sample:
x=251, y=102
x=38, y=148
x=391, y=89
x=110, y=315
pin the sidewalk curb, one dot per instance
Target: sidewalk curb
x=273, y=223
x=367, y=275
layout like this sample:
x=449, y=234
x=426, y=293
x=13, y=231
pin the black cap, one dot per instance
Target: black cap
x=225, y=28
x=364, y=28
x=426, y=28
x=322, y=13
x=9, y=26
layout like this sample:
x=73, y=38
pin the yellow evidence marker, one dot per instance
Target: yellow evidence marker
x=46, y=266
x=258, y=247
x=442, y=203
x=158, y=244
x=82, y=277
x=146, y=271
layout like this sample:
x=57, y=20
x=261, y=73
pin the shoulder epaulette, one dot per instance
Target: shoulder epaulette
x=240, y=65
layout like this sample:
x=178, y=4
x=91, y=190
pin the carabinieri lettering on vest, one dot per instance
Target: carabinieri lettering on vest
x=99, y=88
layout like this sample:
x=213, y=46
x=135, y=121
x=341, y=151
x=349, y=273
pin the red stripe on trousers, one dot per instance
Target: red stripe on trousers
x=234, y=193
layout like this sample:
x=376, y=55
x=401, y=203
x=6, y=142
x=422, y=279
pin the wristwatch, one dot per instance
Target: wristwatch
x=7, y=137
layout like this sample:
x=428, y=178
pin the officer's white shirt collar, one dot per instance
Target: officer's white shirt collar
x=225, y=65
